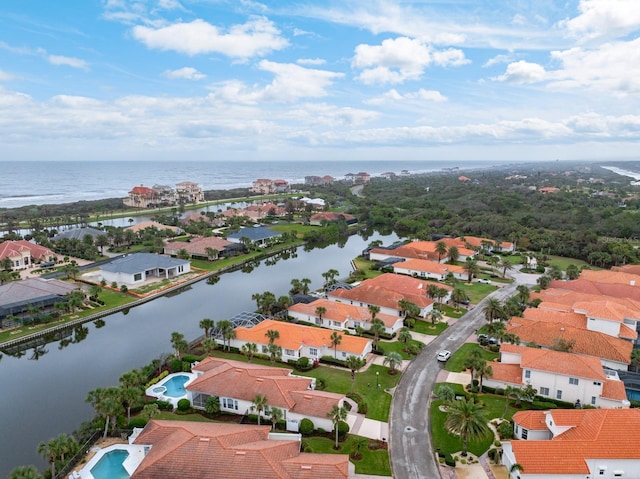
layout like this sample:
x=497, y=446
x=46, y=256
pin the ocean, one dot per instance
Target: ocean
x=55, y=182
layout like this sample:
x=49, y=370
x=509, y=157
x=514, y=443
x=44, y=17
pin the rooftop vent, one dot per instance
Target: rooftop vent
x=204, y=439
x=241, y=453
x=306, y=467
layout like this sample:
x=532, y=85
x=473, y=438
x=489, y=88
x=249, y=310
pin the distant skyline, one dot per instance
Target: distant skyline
x=532, y=80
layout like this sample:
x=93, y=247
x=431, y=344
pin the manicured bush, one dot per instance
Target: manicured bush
x=303, y=364
x=153, y=381
x=186, y=366
x=449, y=461
x=163, y=405
x=343, y=429
x=184, y=405
x=138, y=421
x=505, y=430
x=114, y=285
x=175, y=365
x=306, y=427
x=124, y=288
x=332, y=360
x=542, y=405
x=320, y=384
x=190, y=358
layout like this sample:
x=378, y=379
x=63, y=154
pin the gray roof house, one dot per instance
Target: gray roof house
x=138, y=267
x=257, y=235
x=17, y=296
x=78, y=233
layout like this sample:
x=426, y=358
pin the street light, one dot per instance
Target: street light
x=377, y=382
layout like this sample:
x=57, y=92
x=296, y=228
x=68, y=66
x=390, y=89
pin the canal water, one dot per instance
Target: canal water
x=43, y=392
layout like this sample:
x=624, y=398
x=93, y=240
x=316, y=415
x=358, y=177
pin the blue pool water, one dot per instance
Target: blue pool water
x=633, y=395
x=175, y=386
x=110, y=466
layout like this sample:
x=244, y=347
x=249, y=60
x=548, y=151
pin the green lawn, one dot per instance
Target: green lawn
x=365, y=265
x=375, y=462
x=476, y=291
x=563, y=262
x=425, y=327
x=456, y=361
x=398, y=347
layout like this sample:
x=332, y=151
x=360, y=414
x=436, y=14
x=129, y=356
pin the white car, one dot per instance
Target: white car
x=484, y=281
x=443, y=355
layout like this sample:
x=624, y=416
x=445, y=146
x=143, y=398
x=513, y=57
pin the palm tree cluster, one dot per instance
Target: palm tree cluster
x=56, y=452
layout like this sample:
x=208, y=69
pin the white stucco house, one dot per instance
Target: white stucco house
x=136, y=268
x=236, y=384
x=558, y=375
x=574, y=444
x=423, y=268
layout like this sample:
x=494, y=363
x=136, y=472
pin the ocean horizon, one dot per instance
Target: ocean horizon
x=56, y=182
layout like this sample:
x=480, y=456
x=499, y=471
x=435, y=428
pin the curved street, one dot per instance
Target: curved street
x=410, y=448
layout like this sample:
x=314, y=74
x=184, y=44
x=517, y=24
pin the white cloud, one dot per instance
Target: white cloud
x=291, y=82
x=522, y=72
x=393, y=96
x=498, y=59
x=519, y=19
x=186, y=73
x=400, y=59
x=68, y=61
x=256, y=37
x=603, y=18
x=4, y=76
x=311, y=61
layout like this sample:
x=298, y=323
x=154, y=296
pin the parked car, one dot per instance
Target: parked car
x=443, y=355
x=485, y=339
x=484, y=281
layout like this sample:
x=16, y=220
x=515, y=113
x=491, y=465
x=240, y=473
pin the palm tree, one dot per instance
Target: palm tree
x=454, y=254
x=492, y=310
x=275, y=352
x=209, y=345
x=466, y=419
x=305, y=285
x=320, y=311
x=25, y=472
x=445, y=392
x=94, y=291
x=48, y=453
x=276, y=414
x=473, y=361
x=337, y=414
x=405, y=336
x=523, y=293
x=272, y=334
x=207, y=325
x=515, y=467
x=509, y=391
x=150, y=410
x=505, y=266
x=394, y=360
x=259, y=405
x=101, y=241
x=330, y=277
x=107, y=403
x=178, y=343
x=355, y=363
x=226, y=330
x=432, y=291
x=373, y=311
x=75, y=299
x=377, y=328
x=471, y=268
x=130, y=389
x=250, y=349
x=336, y=339
x=458, y=295
x=441, y=249
x=483, y=370
x=435, y=315
x=212, y=253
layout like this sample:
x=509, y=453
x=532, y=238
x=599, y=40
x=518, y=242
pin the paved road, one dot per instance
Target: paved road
x=410, y=448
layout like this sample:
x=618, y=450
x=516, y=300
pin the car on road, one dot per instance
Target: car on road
x=443, y=355
x=484, y=281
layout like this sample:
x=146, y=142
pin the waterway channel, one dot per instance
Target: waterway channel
x=41, y=398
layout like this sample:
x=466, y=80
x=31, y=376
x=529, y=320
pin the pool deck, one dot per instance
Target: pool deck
x=136, y=455
x=150, y=391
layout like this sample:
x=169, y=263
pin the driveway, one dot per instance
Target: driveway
x=410, y=447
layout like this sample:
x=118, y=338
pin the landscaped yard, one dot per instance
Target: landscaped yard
x=375, y=462
x=426, y=327
x=456, y=361
x=365, y=265
x=476, y=291
x=399, y=347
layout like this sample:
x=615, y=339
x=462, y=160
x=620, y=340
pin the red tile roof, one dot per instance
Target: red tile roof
x=10, y=249
x=596, y=435
x=209, y=450
x=341, y=312
x=430, y=266
x=532, y=420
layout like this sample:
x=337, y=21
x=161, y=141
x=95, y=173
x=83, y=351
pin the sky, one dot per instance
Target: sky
x=507, y=80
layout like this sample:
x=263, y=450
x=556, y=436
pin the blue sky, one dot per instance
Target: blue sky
x=512, y=80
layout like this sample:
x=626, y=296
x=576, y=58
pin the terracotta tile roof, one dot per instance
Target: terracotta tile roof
x=341, y=312
x=594, y=287
x=507, y=373
x=238, y=380
x=614, y=389
x=574, y=320
x=152, y=224
x=293, y=336
x=430, y=266
x=595, y=435
x=195, y=218
x=422, y=250
x=532, y=420
x=205, y=450
x=608, y=276
x=587, y=342
x=608, y=310
x=628, y=268
x=10, y=249
x=557, y=362
x=199, y=245
x=331, y=216
x=143, y=191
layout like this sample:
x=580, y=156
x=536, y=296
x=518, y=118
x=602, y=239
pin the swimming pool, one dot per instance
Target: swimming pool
x=110, y=465
x=175, y=386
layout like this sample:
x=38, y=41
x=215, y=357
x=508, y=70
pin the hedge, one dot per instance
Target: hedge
x=306, y=427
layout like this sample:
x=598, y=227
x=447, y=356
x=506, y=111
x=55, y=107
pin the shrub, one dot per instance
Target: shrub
x=163, y=405
x=332, y=360
x=124, y=288
x=184, y=405
x=343, y=429
x=138, y=421
x=321, y=431
x=542, y=405
x=175, y=365
x=303, y=364
x=162, y=375
x=505, y=430
x=190, y=358
x=494, y=455
x=320, y=384
x=497, y=443
x=449, y=461
x=306, y=427
x=186, y=366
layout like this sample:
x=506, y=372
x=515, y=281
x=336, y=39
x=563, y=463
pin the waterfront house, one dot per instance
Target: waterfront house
x=136, y=268
x=574, y=443
x=78, y=234
x=153, y=224
x=204, y=247
x=236, y=384
x=423, y=268
x=564, y=376
x=206, y=450
x=325, y=217
x=299, y=341
x=259, y=236
x=342, y=316
x=418, y=250
x=189, y=192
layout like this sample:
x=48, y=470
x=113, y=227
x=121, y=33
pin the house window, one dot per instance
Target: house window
x=573, y=381
x=313, y=352
x=137, y=276
x=527, y=374
x=525, y=433
x=319, y=321
x=289, y=352
x=356, y=324
x=337, y=323
x=593, y=400
x=559, y=394
x=265, y=349
x=601, y=472
x=344, y=355
x=544, y=391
